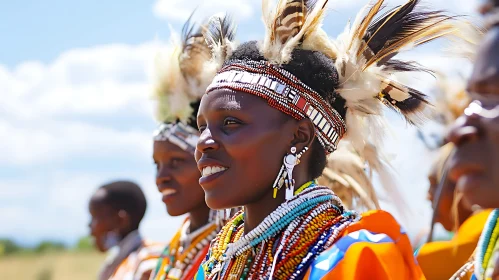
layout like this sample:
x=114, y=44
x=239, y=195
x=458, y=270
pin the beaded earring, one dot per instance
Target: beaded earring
x=285, y=175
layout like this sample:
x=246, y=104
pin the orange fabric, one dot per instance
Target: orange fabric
x=441, y=259
x=138, y=265
x=389, y=258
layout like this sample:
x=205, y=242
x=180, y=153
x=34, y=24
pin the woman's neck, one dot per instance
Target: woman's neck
x=199, y=217
x=256, y=212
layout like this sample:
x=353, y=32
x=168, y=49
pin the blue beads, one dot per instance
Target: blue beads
x=289, y=217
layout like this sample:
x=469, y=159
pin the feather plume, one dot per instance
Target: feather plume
x=181, y=74
x=195, y=53
x=368, y=49
x=289, y=25
x=368, y=70
x=451, y=98
x=349, y=173
x=219, y=35
x=346, y=175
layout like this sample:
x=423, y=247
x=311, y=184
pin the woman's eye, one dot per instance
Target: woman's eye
x=174, y=163
x=231, y=122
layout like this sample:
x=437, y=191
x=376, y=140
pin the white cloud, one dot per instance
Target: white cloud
x=51, y=112
x=55, y=116
x=180, y=10
x=82, y=81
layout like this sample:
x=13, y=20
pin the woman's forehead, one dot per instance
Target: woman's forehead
x=229, y=100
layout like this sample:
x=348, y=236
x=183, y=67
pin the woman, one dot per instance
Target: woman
x=473, y=167
x=441, y=259
x=183, y=79
x=117, y=208
x=277, y=108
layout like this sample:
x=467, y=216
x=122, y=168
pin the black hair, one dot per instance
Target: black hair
x=315, y=70
x=192, y=121
x=127, y=196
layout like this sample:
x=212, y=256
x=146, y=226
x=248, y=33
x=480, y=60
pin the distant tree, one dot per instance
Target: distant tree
x=46, y=246
x=85, y=244
x=8, y=246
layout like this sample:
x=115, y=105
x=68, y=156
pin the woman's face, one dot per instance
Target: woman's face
x=475, y=164
x=241, y=148
x=177, y=179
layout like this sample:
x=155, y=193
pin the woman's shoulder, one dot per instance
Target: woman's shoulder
x=376, y=243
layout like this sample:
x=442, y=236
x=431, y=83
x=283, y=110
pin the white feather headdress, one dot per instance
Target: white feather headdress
x=350, y=176
x=363, y=54
x=184, y=71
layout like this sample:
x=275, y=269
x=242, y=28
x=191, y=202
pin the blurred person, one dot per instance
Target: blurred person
x=269, y=119
x=117, y=208
x=183, y=75
x=441, y=259
x=474, y=167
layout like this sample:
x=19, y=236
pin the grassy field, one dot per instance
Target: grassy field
x=51, y=266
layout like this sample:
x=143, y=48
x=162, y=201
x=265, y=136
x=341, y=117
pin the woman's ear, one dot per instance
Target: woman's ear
x=304, y=134
x=125, y=222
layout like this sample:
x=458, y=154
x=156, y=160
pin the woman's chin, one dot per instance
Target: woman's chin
x=217, y=203
x=175, y=212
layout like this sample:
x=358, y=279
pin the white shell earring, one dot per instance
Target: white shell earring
x=285, y=176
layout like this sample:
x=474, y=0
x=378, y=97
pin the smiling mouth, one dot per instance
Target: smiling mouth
x=210, y=170
x=167, y=192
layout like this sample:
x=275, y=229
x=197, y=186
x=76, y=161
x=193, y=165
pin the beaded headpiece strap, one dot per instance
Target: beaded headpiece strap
x=179, y=134
x=285, y=92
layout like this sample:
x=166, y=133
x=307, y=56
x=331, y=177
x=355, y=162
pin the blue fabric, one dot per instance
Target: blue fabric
x=200, y=274
x=329, y=259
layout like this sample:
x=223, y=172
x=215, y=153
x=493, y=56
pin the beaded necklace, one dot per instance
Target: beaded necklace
x=284, y=244
x=486, y=244
x=183, y=255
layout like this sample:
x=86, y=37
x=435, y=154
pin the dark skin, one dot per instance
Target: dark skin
x=177, y=178
x=106, y=219
x=475, y=164
x=242, y=133
x=444, y=211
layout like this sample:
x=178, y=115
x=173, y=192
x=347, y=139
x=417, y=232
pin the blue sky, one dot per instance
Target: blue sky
x=75, y=80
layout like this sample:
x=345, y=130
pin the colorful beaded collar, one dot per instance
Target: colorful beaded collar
x=179, y=134
x=285, y=92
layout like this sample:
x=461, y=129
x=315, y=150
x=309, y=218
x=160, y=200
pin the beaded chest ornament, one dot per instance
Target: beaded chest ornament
x=185, y=252
x=284, y=244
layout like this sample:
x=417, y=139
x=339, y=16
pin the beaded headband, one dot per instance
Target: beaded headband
x=286, y=93
x=178, y=134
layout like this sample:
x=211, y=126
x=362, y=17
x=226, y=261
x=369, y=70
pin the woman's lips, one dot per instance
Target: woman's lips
x=209, y=170
x=210, y=173
x=168, y=194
